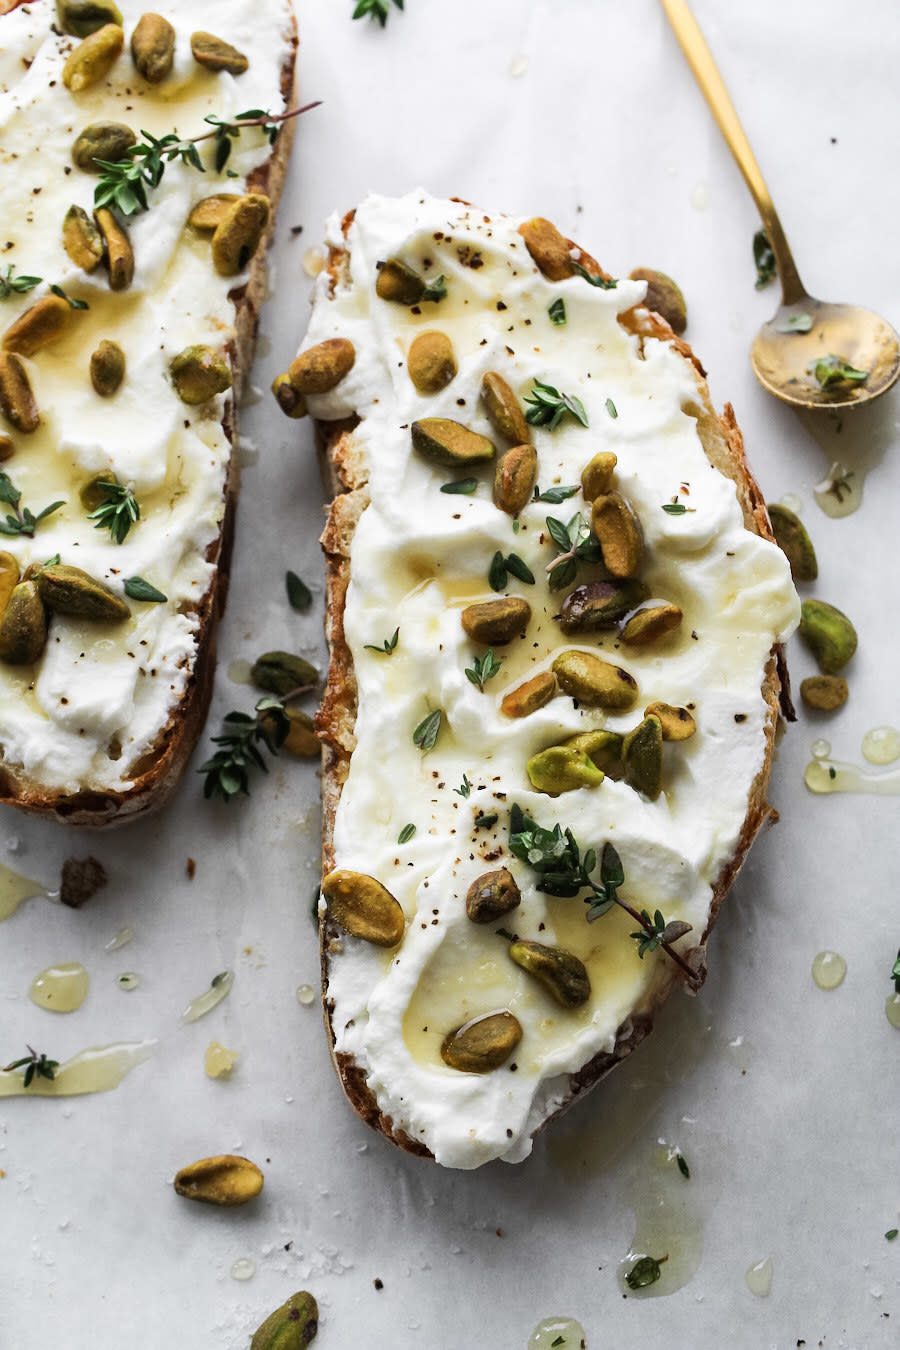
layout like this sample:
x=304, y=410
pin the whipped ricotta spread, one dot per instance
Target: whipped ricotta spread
x=418, y=557
x=94, y=704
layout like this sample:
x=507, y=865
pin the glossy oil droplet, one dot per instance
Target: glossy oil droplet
x=313, y=261
x=826, y=776
x=892, y=1010
x=828, y=969
x=120, y=939
x=560, y=1333
x=128, y=980
x=15, y=890
x=518, y=65
x=840, y=491
x=210, y=998
x=791, y=502
x=239, y=672
x=821, y=749
x=881, y=745
x=668, y=1225
x=759, y=1278
x=219, y=1062
x=305, y=994
x=243, y=1269
x=61, y=988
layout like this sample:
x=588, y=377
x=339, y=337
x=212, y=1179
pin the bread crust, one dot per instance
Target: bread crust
x=160, y=768
x=344, y=477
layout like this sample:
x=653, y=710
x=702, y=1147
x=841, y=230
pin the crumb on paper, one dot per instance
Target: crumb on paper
x=190, y=869
x=219, y=1062
x=81, y=879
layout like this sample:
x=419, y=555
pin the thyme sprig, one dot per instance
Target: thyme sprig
x=547, y=406
x=555, y=495
x=375, y=9
x=564, y=871
x=35, y=1065
x=242, y=740
x=117, y=512
x=576, y=544
x=21, y=521
x=124, y=183
x=483, y=668
x=10, y=285
x=388, y=646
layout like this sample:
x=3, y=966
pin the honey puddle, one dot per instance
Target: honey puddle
x=16, y=889
x=100, y=1068
x=825, y=776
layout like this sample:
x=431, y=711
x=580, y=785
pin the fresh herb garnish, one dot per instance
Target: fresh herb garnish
x=839, y=482
x=794, y=323
x=891, y=1234
x=22, y=521
x=10, y=285
x=243, y=737
x=675, y=508
x=645, y=1271
x=124, y=183
x=549, y=406
x=117, y=512
x=484, y=821
x=512, y=564
x=575, y=545
x=460, y=486
x=557, y=311
x=555, y=495
x=375, y=9
x=426, y=733
x=683, y=1168
x=832, y=370
x=611, y=408
x=36, y=1066
x=484, y=668
x=298, y=593
x=73, y=304
x=560, y=1340
x=388, y=647
x=895, y=974
x=406, y=833
x=465, y=787
x=437, y=289
x=604, y=283
x=136, y=588
x=763, y=256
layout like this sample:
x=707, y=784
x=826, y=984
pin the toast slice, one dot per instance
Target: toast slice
x=548, y=636
x=99, y=719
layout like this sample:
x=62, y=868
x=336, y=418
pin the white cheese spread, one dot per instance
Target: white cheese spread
x=418, y=557
x=95, y=703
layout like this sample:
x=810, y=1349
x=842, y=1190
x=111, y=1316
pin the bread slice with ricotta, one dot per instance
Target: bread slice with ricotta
x=98, y=726
x=470, y=993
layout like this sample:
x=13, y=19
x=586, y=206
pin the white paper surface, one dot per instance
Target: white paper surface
x=782, y=1097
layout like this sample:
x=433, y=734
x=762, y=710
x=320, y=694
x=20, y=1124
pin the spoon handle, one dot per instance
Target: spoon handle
x=701, y=62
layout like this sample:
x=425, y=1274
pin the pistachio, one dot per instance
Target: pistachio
x=430, y=362
x=7, y=448
x=107, y=368
x=95, y=491
x=238, y=233
x=81, y=239
x=483, y=1044
x=282, y=672
x=208, y=212
x=492, y=895
x=199, y=373
x=101, y=140
x=560, y=972
x=548, y=248
x=828, y=633
x=301, y=739
x=562, y=768
x=443, y=441
x=663, y=296
x=825, y=693
x=604, y=748
x=319, y=369
x=23, y=627
x=601, y=604
x=93, y=59
x=504, y=412
x=83, y=17
x=619, y=531
x=118, y=251
x=364, y=908
x=227, y=1179
x=398, y=283
x=642, y=752
x=216, y=54
x=291, y=402
x=530, y=696
x=69, y=590
x=9, y=579
x=514, y=479
x=594, y=682
x=649, y=625
x=290, y=1327
x=796, y=545
x=677, y=723
x=41, y=324
x=153, y=47
x=16, y=396
x=596, y=477
x=496, y=622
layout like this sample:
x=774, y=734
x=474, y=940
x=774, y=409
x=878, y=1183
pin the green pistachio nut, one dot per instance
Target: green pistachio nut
x=227, y=1179
x=430, y=362
x=301, y=739
x=548, y=248
x=23, y=627
x=492, y=895
x=482, y=1045
x=561, y=973
x=69, y=590
x=7, y=447
x=796, y=545
x=215, y=54
x=530, y=696
x=96, y=489
x=604, y=748
x=504, y=412
x=618, y=529
x=290, y=1327
x=199, y=373
x=600, y=605
x=291, y=402
x=82, y=240
x=320, y=369
x=642, y=752
x=93, y=58
x=828, y=633
x=101, y=140
x=83, y=17
x=281, y=672
x=443, y=441
x=650, y=625
x=825, y=693
x=496, y=622
x=153, y=47
x=514, y=478
x=677, y=723
x=107, y=368
x=594, y=682
x=117, y=249
x=364, y=908
x=663, y=296
x=209, y=211
x=562, y=768
x=42, y=323
x=17, y=402
x=237, y=235
x=9, y=579
x=597, y=475
x=398, y=283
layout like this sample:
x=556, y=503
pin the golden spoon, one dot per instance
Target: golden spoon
x=804, y=333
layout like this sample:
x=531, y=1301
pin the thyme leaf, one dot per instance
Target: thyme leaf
x=833, y=370
x=426, y=733
x=460, y=486
x=485, y=820
x=406, y=833
x=645, y=1271
x=21, y=520
x=557, y=311
x=674, y=508
x=895, y=974
x=437, y=289
x=465, y=787
x=375, y=9
x=764, y=258
x=483, y=668
x=388, y=646
x=604, y=283
x=555, y=495
x=547, y=406
x=136, y=588
x=35, y=1065
x=512, y=564
x=298, y=593
x=575, y=544
x=10, y=285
